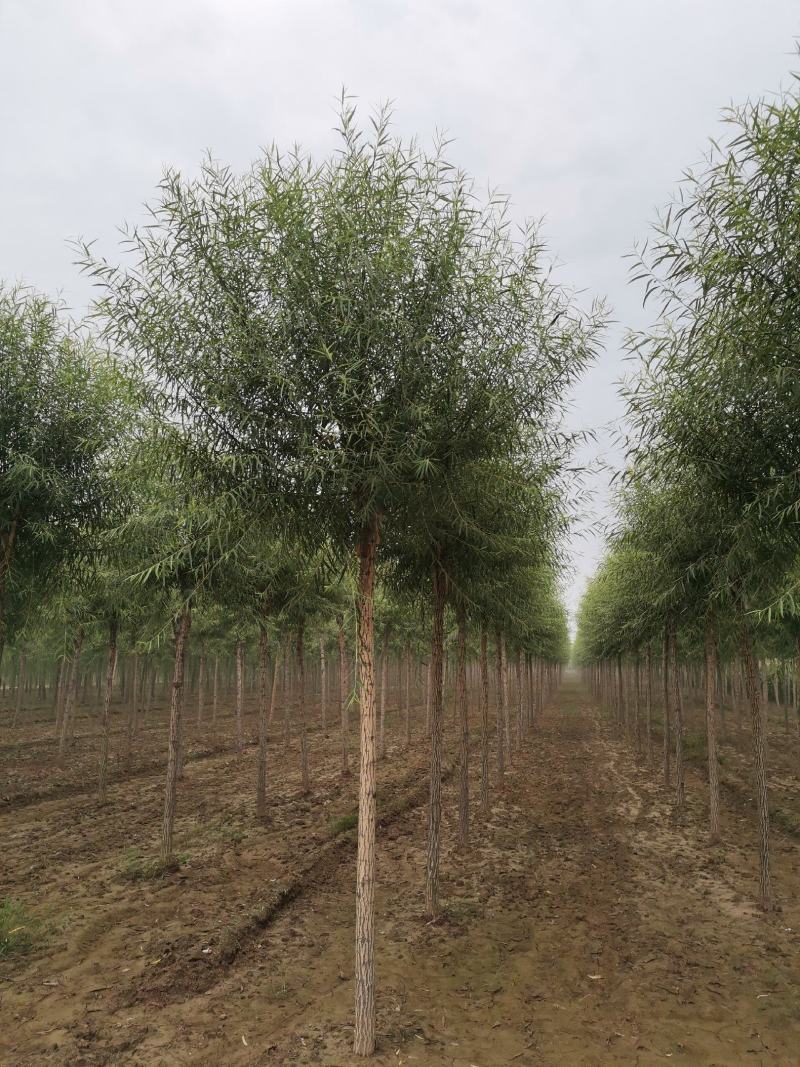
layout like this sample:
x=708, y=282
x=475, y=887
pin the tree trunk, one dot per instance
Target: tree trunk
x=667, y=711
x=437, y=700
x=240, y=696
x=501, y=756
x=20, y=687
x=484, y=673
x=711, y=728
x=384, y=686
x=344, y=695
x=364, y=1038
x=175, y=708
x=463, y=714
x=323, y=685
x=263, y=672
x=305, y=782
x=215, y=696
x=677, y=708
x=112, y=665
x=408, y=694
x=759, y=760
x=648, y=709
x=201, y=687
x=6, y=554
x=72, y=692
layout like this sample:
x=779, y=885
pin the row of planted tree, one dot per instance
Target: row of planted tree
x=316, y=401
x=704, y=560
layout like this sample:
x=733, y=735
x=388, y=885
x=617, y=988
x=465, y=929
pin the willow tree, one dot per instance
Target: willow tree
x=62, y=403
x=719, y=395
x=341, y=331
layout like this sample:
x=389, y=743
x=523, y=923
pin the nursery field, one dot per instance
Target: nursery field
x=584, y=925
x=319, y=740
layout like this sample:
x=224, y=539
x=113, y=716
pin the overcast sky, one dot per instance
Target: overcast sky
x=586, y=112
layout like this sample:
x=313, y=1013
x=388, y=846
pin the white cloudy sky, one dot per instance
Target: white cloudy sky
x=585, y=111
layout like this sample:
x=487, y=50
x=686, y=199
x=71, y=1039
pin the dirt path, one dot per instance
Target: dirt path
x=583, y=927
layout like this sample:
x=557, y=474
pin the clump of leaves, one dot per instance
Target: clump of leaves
x=18, y=928
x=345, y=823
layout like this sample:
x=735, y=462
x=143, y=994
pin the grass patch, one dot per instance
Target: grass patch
x=233, y=833
x=345, y=823
x=137, y=868
x=19, y=930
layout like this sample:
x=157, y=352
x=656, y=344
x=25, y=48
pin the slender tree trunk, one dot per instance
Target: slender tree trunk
x=112, y=665
x=428, y=700
x=501, y=756
x=463, y=714
x=72, y=692
x=263, y=675
x=132, y=711
x=344, y=695
x=677, y=708
x=711, y=727
x=6, y=554
x=201, y=687
x=384, y=687
x=759, y=760
x=276, y=673
x=175, y=709
x=484, y=681
x=364, y=1039
x=506, y=702
x=215, y=696
x=305, y=781
x=323, y=685
x=408, y=694
x=518, y=684
x=437, y=701
x=648, y=710
x=667, y=710
x=21, y=664
x=240, y=696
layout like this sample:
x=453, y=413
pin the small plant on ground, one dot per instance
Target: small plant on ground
x=18, y=928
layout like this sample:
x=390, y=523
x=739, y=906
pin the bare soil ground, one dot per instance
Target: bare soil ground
x=584, y=926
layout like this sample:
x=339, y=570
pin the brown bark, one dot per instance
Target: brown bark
x=344, y=695
x=759, y=761
x=463, y=715
x=240, y=696
x=484, y=682
x=263, y=677
x=7, y=541
x=437, y=701
x=518, y=679
x=323, y=684
x=71, y=694
x=305, y=781
x=711, y=727
x=408, y=694
x=677, y=708
x=667, y=710
x=21, y=663
x=501, y=757
x=364, y=1038
x=648, y=707
x=384, y=687
x=215, y=690
x=173, y=755
x=112, y=664
x=201, y=687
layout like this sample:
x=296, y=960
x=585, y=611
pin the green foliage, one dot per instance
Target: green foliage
x=19, y=929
